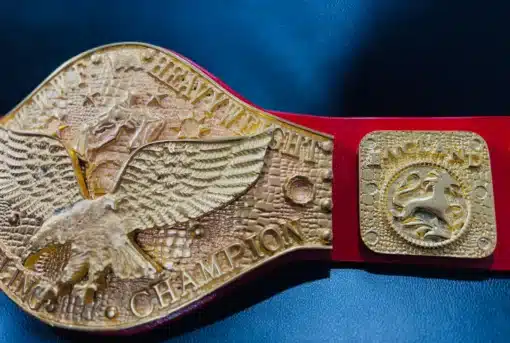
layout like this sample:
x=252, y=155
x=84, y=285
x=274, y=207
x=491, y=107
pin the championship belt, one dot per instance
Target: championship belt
x=135, y=187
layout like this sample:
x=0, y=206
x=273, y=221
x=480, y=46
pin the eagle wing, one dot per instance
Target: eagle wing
x=170, y=182
x=36, y=179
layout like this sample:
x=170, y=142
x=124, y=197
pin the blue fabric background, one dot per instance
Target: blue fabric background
x=336, y=58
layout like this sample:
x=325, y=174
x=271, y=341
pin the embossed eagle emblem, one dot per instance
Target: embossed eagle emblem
x=161, y=185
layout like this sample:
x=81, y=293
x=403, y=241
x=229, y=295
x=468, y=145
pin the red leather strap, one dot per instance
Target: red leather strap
x=348, y=132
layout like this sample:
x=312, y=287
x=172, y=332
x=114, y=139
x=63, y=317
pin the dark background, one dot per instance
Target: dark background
x=334, y=58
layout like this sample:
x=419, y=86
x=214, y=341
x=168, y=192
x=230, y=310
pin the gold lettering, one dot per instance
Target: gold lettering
x=35, y=306
x=175, y=76
x=13, y=278
x=292, y=144
x=168, y=290
x=422, y=146
x=234, y=251
x=204, y=91
x=251, y=124
x=410, y=148
x=289, y=142
x=212, y=270
x=4, y=273
x=136, y=311
x=197, y=86
x=311, y=151
x=292, y=233
x=270, y=232
x=187, y=280
x=233, y=113
x=457, y=156
x=161, y=72
x=297, y=146
x=174, y=70
x=246, y=121
x=277, y=140
x=252, y=245
x=392, y=153
x=4, y=263
x=374, y=158
x=181, y=81
x=218, y=98
x=25, y=284
x=188, y=87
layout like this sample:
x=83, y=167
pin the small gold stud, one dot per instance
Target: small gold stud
x=327, y=175
x=326, y=205
x=326, y=146
x=111, y=312
x=198, y=232
x=326, y=236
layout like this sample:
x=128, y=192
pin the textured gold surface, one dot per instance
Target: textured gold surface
x=426, y=193
x=132, y=185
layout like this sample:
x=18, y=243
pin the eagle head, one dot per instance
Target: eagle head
x=67, y=224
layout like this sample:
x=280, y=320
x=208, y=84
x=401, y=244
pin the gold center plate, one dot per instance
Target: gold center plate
x=132, y=185
x=426, y=193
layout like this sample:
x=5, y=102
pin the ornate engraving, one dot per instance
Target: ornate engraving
x=427, y=205
x=132, y=186
x=299, y=189
x=418, y=191
x=162, y=184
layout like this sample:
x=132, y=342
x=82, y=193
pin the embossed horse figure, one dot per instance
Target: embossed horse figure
x=435, y=203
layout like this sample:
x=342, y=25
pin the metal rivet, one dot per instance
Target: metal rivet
x=371, y=238
x=111, y=312
x=326, y=236
x=326, y=146
x=198, y=232
x=327, y=174
x=326, y=205
x=13, y=219
x=484, y=243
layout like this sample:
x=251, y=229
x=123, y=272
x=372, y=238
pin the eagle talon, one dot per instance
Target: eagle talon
x=48, y=288
x=100, y=233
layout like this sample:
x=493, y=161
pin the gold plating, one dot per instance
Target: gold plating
x=156, y=195
x=389, y=216
x=417, y=194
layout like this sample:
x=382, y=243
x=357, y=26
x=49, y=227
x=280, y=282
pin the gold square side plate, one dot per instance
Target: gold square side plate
x=426, y=193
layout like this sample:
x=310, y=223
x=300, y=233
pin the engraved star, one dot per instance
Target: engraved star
x=155, y=99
